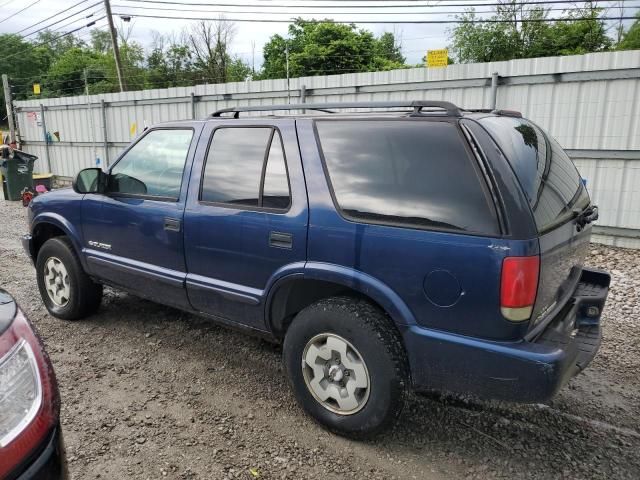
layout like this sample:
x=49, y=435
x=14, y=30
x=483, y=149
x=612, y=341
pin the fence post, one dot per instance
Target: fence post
x=103, y=107
x=9, y=103
x=303, y=96
x=193, y=106
x=494, y=90
x=46, y=140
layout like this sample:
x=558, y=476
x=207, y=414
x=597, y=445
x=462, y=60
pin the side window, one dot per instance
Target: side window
x=408, y=173
x=246, y=166
x=154, y=165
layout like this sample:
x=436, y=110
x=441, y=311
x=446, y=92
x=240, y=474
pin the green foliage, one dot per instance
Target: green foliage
x=237, y=70
x=170, y=67
x=66, y=74
x=519, y=37
x=325, y=48
x=23, y=63
x=59, y=63
x=631, y=38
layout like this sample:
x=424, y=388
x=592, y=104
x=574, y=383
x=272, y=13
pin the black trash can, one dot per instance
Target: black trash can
x=17, y=172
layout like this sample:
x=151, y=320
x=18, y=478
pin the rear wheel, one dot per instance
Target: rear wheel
x=66, y=290
x=347, y=366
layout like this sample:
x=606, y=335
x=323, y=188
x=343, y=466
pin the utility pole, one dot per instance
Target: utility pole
x=114, y=42
x=286, y=56
x=9, y=104
x=90, y=112
x=253, y=58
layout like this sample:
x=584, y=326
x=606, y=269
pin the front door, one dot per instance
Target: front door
x=246, y=217
x=134, y=233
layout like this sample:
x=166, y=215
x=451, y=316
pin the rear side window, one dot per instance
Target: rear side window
x=548, y=177
x=409, y=173
x=246, y=167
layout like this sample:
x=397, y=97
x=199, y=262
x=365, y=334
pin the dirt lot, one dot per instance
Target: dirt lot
x=150, y=392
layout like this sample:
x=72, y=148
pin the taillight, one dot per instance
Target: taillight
x=29, y=404
x=518, y=287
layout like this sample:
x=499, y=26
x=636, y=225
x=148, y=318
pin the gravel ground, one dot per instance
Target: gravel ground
x=151, y=392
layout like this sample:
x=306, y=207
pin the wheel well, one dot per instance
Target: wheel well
x=298, y=294
x=43, y=232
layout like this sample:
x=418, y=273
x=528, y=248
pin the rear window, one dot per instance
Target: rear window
x=548, y=177
x=408, y=173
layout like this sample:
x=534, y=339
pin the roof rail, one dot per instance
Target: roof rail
x=416, y=105
x=508, y=113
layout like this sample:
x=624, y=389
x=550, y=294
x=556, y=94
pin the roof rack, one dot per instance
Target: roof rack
x=417, y=106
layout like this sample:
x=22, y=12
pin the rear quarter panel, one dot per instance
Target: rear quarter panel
x=411, y=262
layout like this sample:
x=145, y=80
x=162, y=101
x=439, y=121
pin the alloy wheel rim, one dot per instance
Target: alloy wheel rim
x=335, y=374
x=57, y=282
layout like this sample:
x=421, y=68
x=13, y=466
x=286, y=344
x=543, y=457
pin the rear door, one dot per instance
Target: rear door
x=246, y=217
x=556, y=194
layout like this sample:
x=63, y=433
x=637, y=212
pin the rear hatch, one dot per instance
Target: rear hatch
x=558, y=199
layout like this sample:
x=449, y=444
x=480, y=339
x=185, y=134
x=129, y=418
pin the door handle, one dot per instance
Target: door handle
x=171, y=224
x=280, y=240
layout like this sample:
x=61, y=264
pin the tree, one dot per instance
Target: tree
x=583, y=34
x=66, y=75
x=238, y=70
x=631, y=38
x=480, y=42
x=325, y=48
x=100, y=41
x=210, y=42
x=170, y=63
x=24, y=64
x=389, y=49
x=524, y=32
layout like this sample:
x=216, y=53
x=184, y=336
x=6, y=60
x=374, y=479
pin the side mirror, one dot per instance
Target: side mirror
x=89, y=180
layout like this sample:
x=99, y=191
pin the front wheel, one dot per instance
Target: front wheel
x=66, y=290
x=347, y=366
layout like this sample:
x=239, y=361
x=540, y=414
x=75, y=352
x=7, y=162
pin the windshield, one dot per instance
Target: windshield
x=548, y=177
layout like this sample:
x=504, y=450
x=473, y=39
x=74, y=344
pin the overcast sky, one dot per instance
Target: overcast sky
x=415, y=38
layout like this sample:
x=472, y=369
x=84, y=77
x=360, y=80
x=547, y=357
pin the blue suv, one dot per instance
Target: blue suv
x=423, y=247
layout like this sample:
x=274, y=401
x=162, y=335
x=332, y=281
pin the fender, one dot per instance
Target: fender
x=354, y=279
x=67, y=227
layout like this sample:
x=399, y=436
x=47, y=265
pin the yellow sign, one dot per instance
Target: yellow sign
x=437, y=58
x=36, y=89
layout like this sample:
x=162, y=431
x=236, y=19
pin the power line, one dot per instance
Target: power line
x=77, y=20
x=62, y=20
x=341, y=6
x=19, y=11
x=54, y=15
x=457, y=12
x=273, y=20
x=33, y=45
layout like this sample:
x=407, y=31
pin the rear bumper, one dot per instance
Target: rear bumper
x=524, y=371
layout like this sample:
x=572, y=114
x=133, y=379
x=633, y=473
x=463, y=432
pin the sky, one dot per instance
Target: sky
x=415, y=39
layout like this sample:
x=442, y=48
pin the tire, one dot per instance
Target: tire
x=58, y=270
x=370, y=336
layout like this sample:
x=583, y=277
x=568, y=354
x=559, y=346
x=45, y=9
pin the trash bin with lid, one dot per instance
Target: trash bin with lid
x=17, y=172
